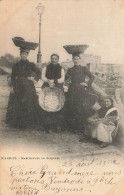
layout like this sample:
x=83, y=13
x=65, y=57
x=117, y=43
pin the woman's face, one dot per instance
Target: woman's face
x=24, y=55
x=76, y=60
x=108, y=102
x=54, y=60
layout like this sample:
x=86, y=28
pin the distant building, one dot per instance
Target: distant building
x=111, y=68
x=112, y=73
x=92, y=62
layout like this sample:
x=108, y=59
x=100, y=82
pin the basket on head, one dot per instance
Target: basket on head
x=71, y=49
x=20, y=42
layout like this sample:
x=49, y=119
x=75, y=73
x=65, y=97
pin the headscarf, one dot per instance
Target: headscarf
x=102, y=111
x=23, y=49
x=76, y=54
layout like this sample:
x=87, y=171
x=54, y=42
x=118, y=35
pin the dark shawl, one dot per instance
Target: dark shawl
x=53, y=71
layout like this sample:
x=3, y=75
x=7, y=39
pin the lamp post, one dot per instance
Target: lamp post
x=40, y=10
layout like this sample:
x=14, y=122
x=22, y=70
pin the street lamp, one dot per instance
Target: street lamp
x=40, y=10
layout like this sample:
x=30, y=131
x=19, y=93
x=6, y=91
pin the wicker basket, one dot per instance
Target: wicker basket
x=51, y=99
x=20, y=42
x=71, y=49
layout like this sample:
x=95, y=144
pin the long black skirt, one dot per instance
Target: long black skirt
x=78, y=108
x=23, y=107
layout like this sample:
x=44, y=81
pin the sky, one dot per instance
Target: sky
x=97, y=23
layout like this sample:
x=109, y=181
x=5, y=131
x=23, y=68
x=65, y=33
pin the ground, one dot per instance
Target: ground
x=64, y=144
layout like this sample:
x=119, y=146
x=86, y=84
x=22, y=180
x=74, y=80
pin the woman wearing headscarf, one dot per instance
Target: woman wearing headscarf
x=53, y=75
x=103, y=125
x=23, y=107
x=79, y=100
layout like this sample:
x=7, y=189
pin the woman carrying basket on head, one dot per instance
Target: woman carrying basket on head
x=79, y=100
x=23, y=107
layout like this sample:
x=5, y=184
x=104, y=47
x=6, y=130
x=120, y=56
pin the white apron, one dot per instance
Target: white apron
x=103, y=132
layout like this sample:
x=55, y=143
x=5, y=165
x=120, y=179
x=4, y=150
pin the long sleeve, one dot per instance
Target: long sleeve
x=68, y=78
x=43, y=77
x=68, y=74
x=37, y=71
x=62, y=79
x=90, y=75
x=13, y=75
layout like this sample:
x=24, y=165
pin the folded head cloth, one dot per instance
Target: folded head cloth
x=22, y=49
x=24, y=45
x=76, y=54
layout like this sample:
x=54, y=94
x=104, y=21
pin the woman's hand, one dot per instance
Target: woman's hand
x=31, y=79
x=84, y=84
x=51, y=83
x=65, y=88
x=93, y=120
x=90, y=120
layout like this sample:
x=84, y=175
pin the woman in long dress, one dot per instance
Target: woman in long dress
x=53, y=76
x=79, y=100
x=23, y=107
x=103, y=126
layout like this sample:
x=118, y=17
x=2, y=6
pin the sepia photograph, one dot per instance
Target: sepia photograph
x=61, y=97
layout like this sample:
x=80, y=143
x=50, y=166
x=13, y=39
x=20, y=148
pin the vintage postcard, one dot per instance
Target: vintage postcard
x=61, y=97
